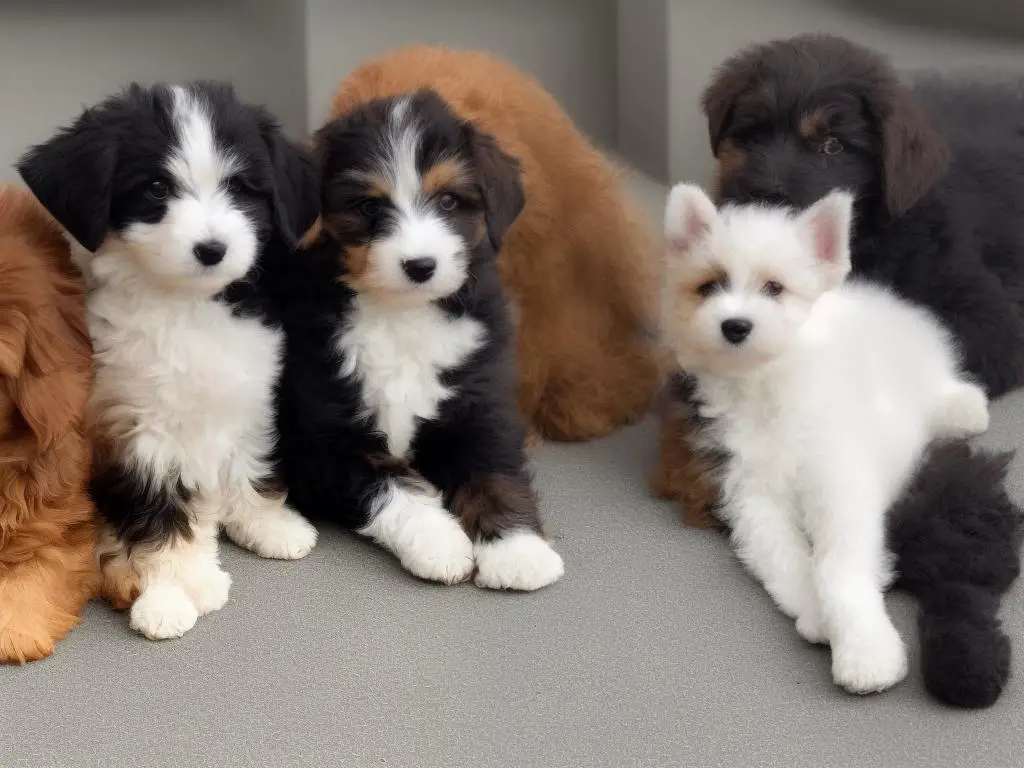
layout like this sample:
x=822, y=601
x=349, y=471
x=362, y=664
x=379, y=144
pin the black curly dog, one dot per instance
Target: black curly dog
x=937, y=170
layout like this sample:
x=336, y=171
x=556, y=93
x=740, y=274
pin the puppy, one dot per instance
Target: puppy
x=746, y=319
x=937, y=169
x=823, y=396
x=398, y=413
x=177, y=196
x=579, y=263
x=791, y=120
x=47, y=566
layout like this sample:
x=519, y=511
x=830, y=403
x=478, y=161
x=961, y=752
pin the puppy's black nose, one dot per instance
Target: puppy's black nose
x=209, y=252
x=419, y=269
x=736, y=329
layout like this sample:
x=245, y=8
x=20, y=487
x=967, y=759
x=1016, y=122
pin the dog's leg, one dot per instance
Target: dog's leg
x=260, y=520
x=682, y=473
x=500, y=514
x=408, y=518
x=181, y=579
x=44, y=584
x=478, y=463
x=769, y=543
x=852, y=571
x=119, y=583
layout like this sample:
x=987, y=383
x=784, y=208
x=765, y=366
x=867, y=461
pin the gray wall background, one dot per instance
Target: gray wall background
x=568, y=44
x=630, y=72
x=57, y=56
x=917, y=34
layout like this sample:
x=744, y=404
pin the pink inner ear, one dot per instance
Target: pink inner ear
x=826, y=234
x=695, y=225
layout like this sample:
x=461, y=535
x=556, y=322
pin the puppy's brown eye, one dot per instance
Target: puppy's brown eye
x=234, y=186
x=370, y=208
x=772, y=288
x=448, y=202
x=158, y=189
x=831, y=146
x=708, y=288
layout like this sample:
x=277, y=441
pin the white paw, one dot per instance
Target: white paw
x=794, y=596
x=427, y=539
x=964, y=411
x=208, y=588
x=439, y=549
x=518, y=560
x=163, y=611
x=869, y=661
x=810, y=626
x=277, y=532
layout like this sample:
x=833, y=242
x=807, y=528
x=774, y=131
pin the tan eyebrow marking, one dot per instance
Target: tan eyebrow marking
x=447, y=173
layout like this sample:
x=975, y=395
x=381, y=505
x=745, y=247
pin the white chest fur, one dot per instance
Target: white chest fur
x=399, y=356
x=760, y=439
x=190, y=383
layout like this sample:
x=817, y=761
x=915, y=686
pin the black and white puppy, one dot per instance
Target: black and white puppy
x=177, y=197
x=398, y=406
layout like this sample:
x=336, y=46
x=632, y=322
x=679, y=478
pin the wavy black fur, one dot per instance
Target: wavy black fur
x=957, y=537
x=937, y=167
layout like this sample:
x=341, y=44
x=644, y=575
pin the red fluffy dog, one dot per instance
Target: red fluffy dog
x=579, y=262
x=47, y=570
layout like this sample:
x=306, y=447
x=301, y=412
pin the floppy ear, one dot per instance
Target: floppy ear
x=828, y=224
x=730, y=80
x=914, y=155
x=72, y=174
x=689, y=217
x=296, y=183
x=500, y=184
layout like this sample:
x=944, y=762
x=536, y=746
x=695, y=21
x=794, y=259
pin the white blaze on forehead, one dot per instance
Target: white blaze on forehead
x=197, y=163
x=399, y=169
x=419, y=230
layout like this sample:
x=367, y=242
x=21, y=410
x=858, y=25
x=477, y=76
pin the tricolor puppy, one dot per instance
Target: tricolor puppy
x=579, y=260
x=179, y=197
x=398, y=409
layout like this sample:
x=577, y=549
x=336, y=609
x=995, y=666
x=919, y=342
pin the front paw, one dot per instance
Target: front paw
x=794, y=597
x=163, y=611
x=869, y=659
x=440, y=550
x=810, y=626
x=428, y=541
x=519, y=560
x=275, y=532
x=31, y=632
x=208, y=588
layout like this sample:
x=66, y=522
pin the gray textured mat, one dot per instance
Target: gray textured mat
x=655, y=650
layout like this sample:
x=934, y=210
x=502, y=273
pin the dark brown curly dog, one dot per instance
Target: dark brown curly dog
x=47, y=569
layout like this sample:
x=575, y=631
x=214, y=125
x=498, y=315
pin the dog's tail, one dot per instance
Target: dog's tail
x=956, y=536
